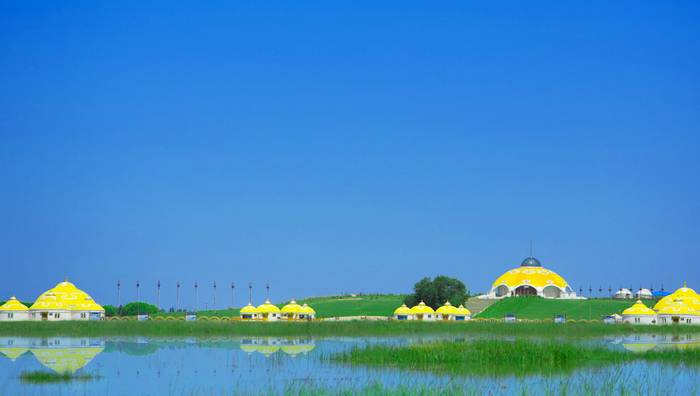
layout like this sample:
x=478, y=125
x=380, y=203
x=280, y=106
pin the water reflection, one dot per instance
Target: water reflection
x=60, y=354
x=640, y=343
x=269, y=346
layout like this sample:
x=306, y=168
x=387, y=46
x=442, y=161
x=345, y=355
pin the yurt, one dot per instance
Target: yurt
x=291, y=311
x=13, y=310
x=683, y=295
x=643, y=294
x=423, y=312
x=623, y=294
x=462, y=313
x=269, y=312
x=65, y=302
x=639, y=314
x=403, y=313
x=530, y=279
x=446, y=312
x=249, y=312
x=306, y=313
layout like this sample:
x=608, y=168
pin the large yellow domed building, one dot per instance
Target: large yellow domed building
x=66, y=302
x=531, y=279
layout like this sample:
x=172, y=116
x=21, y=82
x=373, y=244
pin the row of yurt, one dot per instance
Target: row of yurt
x=269, y=312
x=679, y=307
x=426, y=313
x=63, y=302
x=625, y=293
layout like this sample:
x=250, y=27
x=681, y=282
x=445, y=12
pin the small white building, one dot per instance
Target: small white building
x=643, y=294
x=403, y=313
x=13, y=310
x=423, y=312
x=639, y=314
x=623, y=294
x=446, y=312
x=307, y=313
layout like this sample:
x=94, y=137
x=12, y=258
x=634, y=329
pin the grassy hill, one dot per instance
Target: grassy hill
x=328, y=307
x=540, y=308
x=367, y=305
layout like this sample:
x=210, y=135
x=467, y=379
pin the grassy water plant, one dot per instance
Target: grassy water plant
x=499, y=358
x=47, y=377
x=319, y=328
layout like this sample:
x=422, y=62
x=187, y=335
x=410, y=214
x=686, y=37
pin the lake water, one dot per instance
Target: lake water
x=217, y=366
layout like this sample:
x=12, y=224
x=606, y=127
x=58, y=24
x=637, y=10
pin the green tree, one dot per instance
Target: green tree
x=110, y=310
x=134, y=308
x=434, y=292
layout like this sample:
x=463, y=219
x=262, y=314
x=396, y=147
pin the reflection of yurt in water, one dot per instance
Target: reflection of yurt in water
x=269, y=346
x=13, y=353
x=66, y=360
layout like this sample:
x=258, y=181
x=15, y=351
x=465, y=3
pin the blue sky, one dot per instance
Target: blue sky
x=346, y=147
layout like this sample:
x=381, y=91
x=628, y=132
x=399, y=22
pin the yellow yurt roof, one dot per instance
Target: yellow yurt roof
x=65, y=296
x=268, y=307
x=13, y=304
x=65, y=360
x=447, y=309
x=538, y=277
x=684, y=295
x=267, y=350
x=679, y=308
x=292, y=307
x=463, y=311
x=421, y=308
x=13, y=353
x=249, y=348
x=249, y=309
x=639, y=309
x=639, y=348
x=403, y=310
x=305, y=309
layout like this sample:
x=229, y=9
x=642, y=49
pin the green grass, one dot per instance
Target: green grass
x=321, y=329
x=47, y=377
x=540, y=308
x=328, y=307
x=504, y=358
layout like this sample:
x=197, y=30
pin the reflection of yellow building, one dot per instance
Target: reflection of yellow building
x=269, y=346
x=65, y=302
x=13, y=353
x=65, y=360
x=639, y=348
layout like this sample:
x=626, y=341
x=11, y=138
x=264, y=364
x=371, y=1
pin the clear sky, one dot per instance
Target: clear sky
x=346, y=147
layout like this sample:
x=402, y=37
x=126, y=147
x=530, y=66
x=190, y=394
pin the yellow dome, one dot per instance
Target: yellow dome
x=421, y=308
x=679, y=308
x=537, y=277
x=65, y=296
x=307, y=310
x=268, y=308
x=292, y=307
x=463, y=311
x=403, y=310
x=684, y=295
x=447, y=309
x=66, y=360
x=249, y=309
x=639, y=309
x=13, y=305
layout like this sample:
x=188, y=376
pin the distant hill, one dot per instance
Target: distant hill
x=541, y=308
x=360, y=305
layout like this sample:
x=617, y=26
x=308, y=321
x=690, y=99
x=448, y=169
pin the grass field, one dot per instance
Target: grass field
x=505, y=358
x=324, y=329
x=540, y=308
x=329, y=307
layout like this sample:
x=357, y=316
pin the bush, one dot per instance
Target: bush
x=135, y=308
x=434, y=292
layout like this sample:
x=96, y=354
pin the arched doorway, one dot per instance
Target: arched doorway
x=551, y=292
x=501, y=290
x=525, y=290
